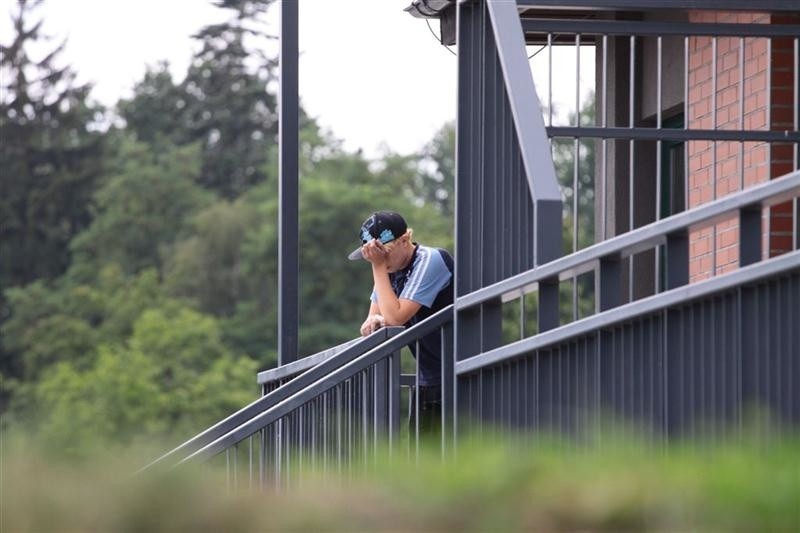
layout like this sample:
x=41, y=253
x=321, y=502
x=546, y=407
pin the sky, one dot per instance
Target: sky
x=373, y=75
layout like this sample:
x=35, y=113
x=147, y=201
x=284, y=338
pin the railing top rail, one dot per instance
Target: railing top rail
x=655, y=28
x=657, y=302
x=301, y=365
x=322, y=383
x=769, y=193
x=354, y=349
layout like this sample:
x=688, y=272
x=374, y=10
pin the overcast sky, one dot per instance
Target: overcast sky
x=369, y=72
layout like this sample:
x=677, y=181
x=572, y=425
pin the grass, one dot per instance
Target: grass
x=502, y=485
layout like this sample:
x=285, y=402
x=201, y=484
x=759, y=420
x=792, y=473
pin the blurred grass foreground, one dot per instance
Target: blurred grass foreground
x=615, y=484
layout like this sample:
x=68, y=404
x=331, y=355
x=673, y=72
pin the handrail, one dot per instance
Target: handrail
x=656, y=302
x=321, y=384
x=770, y=193
x=354, y=349
x=301, y=365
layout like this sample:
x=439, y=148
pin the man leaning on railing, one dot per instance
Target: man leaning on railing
x=411, y=282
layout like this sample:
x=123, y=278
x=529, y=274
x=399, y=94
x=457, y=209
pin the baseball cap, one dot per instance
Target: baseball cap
x=385, y=226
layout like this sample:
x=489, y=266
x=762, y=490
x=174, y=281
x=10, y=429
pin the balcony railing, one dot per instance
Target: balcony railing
x=672, y=351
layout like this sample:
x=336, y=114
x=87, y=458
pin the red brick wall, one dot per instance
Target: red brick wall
x=715, y=171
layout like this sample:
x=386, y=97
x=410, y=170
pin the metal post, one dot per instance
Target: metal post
x=750, y=235
x=448, y=390
x=609, y=283
x=677, y=273
x=288, y=131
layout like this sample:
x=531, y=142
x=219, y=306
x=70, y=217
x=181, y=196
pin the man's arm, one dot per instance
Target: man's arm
x=396, y=311
x=373, y=322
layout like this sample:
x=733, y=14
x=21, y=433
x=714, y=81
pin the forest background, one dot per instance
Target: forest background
x=138, y=242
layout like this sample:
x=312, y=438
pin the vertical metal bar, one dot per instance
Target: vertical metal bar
x=301, y=436
x=278, y=451
x=796, y=157
x=550, y=79
x=548, y=304
x=686, y=121
x=575, y=172
x=658, y=160
x=381, y=399
x=228, y=470
x=236, y=468
x=577, y=79
x=631, y=188
x=714, y=150
x=741, y=111
x=364, y=414
x=339, y=417
x=288, y=235
x=262, y=458
x=677, y=271
x=416, y=403
x=768, y=251
x=609, y=280
x=394, y=401
x=448, y=390
x=604, y=123
x=250, y=463
x=750, y=235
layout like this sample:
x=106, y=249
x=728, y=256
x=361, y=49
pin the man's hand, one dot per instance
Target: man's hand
x=372, y=324
x=375, y=252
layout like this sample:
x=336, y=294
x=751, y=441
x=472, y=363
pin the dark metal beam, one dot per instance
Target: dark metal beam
x=672, y=134
x=288, y=234
x=647, y=27
x=648, y=5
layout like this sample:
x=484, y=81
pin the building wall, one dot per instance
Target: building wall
x=717, y=169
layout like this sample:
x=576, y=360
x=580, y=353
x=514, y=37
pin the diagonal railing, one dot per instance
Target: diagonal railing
x=344, y=407
x=305, y=371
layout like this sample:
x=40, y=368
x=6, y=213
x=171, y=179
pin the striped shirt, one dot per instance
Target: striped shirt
x=422, y=280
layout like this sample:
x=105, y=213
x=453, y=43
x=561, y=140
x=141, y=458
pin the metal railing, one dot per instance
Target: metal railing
x=675, y=121
x=278, y=389
x=655, y=348
x=687, y=359
x=333, y=410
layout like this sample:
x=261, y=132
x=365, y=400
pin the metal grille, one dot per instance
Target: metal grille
x=694, y=369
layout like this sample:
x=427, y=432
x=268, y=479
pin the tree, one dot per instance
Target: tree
x=140, y=210
x=50, y=155
x=226, y=103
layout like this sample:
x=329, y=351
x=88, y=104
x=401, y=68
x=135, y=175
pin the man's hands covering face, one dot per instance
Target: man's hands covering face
x=375, y=252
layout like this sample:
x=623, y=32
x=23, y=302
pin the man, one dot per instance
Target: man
x=411, y=282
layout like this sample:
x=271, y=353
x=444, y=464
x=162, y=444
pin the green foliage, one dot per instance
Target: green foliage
x=508, y=485
x=50, y=156
x=153, y=297
x=140, y=210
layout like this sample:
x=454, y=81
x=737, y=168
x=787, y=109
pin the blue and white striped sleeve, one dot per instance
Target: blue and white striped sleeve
x=429, y=276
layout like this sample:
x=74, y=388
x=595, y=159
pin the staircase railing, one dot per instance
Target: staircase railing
x=311, y=368
x=345, y=408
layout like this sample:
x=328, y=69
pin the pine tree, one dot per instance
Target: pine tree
x=225, y=103
x=50, y=156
